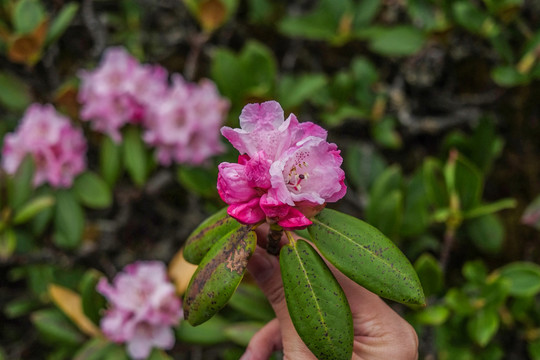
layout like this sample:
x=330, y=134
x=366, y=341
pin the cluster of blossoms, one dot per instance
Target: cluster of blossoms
x=180, y=120
x=143, y=308
x=56, y=147
x=286, y=172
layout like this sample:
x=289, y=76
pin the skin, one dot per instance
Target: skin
x=379, y=332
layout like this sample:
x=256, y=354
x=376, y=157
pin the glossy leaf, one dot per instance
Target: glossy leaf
x=32, y=208
x=92, y=302
x=135, y=156
x=218, y=275
x=524, y=278
x=317, y=304
x=207, y=234
x=14, y=93
x=92, y=191
x=68, y=220
x=483, y=326
x=61, y=22
x=208, y=333
x=110, y=161
x=366, y=256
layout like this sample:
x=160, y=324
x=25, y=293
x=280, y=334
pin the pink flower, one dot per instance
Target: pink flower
x=287, y=169
x=119, y=91
x=57, y=148
x=184, y=125
x=143, y=308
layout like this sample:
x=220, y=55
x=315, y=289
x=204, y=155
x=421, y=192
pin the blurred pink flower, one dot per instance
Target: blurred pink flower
x=184, y=124
x=287, y=169
x=57, y=148
x=119, y=91
x=143, y=308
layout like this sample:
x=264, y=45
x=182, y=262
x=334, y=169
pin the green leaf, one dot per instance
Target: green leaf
x=27, y=15
x=435, y=186
x=158, y=354
x=430, y=274
x=208, y=333
x=468, y=182
x=241, y=332
x=56, y=328
x=92, y=191
x=320, y=24
x=317, y=304
x=364, y=165
x=386, y=212
x=207, y=234
x=61, y=22
x=508, y=76
x=8, y=243
x=487, y=209
x=397, y=41
x=135, y=156
x=433, y=316
x=366, y=256
x=32, y=208
x=486, y=232
x=110, y=160
x=94, y=349
x=68, y=220
x=416, y=214
x=294, y=90
x=14, y=93
x=21, y=184
x=475, y=271
x=250, y=301
x=524, y=278
x=92, y=301
x=198, y=180
x=384, y=133
x=218, y=275
x=533, y=349
x=483, y=326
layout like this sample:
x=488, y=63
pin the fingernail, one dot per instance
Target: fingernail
x=246, y=356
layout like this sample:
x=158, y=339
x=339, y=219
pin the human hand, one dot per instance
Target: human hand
x=379, y=332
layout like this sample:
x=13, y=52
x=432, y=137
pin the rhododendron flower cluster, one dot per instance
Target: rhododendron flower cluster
x=286, y=172
x=57, y=148
x=181, y=120
x=143, y=308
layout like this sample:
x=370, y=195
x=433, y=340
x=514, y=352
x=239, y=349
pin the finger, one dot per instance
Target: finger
x=264, y=342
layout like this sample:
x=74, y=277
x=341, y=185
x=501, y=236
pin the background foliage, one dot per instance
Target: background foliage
x=434, y=104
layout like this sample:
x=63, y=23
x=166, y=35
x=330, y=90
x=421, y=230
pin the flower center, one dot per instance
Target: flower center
x=297, y=174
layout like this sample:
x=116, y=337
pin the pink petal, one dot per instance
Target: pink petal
x=247, y=213
x=267, y=116
x=294, y=220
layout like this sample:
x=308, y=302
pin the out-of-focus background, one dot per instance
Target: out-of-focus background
x=433, y=103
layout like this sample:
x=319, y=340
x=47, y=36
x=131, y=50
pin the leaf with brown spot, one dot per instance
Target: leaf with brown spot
x=26, y=48
x=317, y=304
x=181, y=271
x=366, y=256
x=70, y=303
x=218, y=275
x=212, y=14
x=207, y=234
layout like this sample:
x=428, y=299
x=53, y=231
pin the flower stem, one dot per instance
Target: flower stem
x=274, y=237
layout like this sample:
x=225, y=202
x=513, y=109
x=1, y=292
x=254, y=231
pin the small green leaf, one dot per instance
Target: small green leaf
x=68, y=220
x=433, y=316
x=508, y=76
x=317, y=304
x=27, y=15
x=61, y=22
x=218, y=275
x=32, y=208
x=364, y=165
x=21, y=184
x=241, y=332
x=295, y=90
x=207, y=234
x=487, y=209
x=135, y=156
x=430, y=274
x=56, y=328
x=92, y=191
x=251, y=301
x=483, y=326
x=94, y=349
x=198, y=180
x=468, y=182
x=475, y=271
x=208, y=333
x=486, y=232
x=8, y=243
x=110, y=160
x=384, y=133
x=397, y=41
x=524, y=278
x=434, y=181
x=366, y=256
x=158, y=354
x=14, y=93
x=92, y=302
